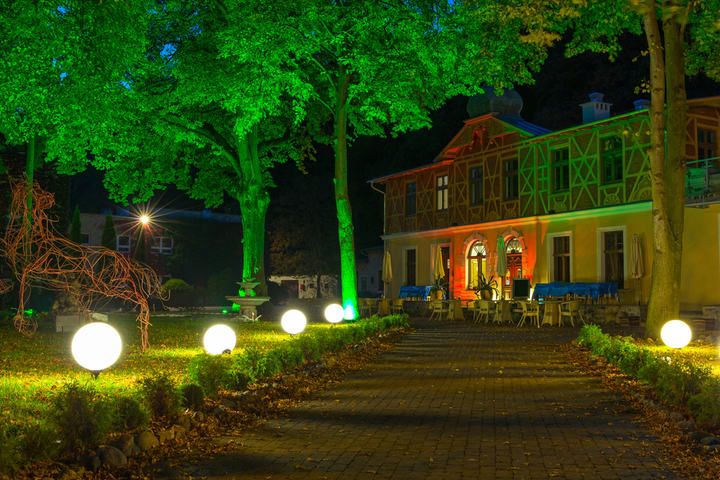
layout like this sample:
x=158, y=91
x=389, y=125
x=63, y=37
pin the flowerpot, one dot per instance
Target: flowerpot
x=437, y=295
x=486, y=294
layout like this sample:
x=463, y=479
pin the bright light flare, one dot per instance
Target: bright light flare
x=293, y=321
x=96, y=346
x=219, y=339
x=676, y=334
x=334, y=313
x=144, y=219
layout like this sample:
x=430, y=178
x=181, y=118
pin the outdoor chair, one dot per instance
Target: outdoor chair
x=365, y=305
x=396, y=306
x=530, y=312
x=474, y=308
x=486, y=309
x=571, y=310
x=438, y=310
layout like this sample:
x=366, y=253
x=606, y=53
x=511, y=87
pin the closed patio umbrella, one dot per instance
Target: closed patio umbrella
x=637, y=266
x=386, y=272
x=501, y=264
x=438, y=269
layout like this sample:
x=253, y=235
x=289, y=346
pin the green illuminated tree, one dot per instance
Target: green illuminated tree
x=379, y=68
x=682, y=37
x=217, y=105
x=60, y=65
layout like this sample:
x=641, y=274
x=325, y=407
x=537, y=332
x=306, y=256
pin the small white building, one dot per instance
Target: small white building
x=369, y=272
x=308, y=286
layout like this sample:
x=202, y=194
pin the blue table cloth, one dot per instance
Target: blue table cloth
x=415, y=291
x=560, y=289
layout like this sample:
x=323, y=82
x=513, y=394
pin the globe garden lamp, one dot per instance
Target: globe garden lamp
x=676, y=334
x=144, y=219
x=334, y=313
x=349, y=312
x=293, y=321
x=96, y=346
x=219, y=339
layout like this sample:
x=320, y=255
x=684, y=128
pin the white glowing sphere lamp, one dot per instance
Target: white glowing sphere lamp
x=144, y=219
x=219, y=339
x=334, y=313
x=96, y=346
x=676, y=334
x=293, y=321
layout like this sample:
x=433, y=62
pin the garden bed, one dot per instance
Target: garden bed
x=38, y=369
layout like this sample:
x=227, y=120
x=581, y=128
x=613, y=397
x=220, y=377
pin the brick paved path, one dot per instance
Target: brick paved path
x=453, y=401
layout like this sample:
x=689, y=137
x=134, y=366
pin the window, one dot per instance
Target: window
x=561, y=258
x=613, y=257
x=442, y=192
x=122, y=244
x=476, y=185
x=706, y=143
x=85, y=238
x=410, y=266
x=410, y=198
x=560, y=169
x=611, y=159
x=162, y=245
x=363, y=284
x=476, y=262
x=510, y=179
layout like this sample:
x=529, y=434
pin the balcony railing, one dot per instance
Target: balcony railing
x=702, y=181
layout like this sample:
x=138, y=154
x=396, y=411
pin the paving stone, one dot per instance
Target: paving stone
x=453, y=400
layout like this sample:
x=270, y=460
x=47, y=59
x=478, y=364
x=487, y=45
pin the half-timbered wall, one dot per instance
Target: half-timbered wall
x=489, y=150
x=489, y=143
x=586, y=186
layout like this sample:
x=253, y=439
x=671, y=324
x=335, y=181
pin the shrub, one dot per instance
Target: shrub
x=39, y=443
x=81, y=421
x=9, y=456
x=704, y=405
x=161, y=396
x=212, y=372
x=127, y=413
x=679, y=379
x=192, y=396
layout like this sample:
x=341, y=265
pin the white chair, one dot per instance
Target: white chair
x=487, y=309
x=530, y=312
x=571, y=310
x=438, y=310
x=396, y=306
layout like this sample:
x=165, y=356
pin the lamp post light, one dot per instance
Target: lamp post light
x=293, y=322
x=96, y=346
x=144, y=219
x=676, y=334
x=334, y=313
x=219, y=339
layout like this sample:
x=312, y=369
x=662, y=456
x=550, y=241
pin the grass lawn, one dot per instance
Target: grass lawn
x=32, y=368
x=697, y=353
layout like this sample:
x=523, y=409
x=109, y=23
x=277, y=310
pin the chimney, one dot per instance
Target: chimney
x=595, y=109
x=641, y=104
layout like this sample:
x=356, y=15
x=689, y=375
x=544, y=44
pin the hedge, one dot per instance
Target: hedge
x=677, y=381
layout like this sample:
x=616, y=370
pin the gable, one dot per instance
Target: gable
x=485, y=133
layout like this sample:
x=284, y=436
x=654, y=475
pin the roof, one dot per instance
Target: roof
x=515, y=123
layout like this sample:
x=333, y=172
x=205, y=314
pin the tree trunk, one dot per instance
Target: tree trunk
x=667, y=167
x=346, y=231
x=254, y=200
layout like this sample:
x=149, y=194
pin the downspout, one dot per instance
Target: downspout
x=372, y=185
x=385, y=242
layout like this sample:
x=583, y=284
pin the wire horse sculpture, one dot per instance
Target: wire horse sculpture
x=36, y=253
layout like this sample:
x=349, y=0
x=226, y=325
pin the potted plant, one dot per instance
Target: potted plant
x=486, y=287
x=436, y=291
